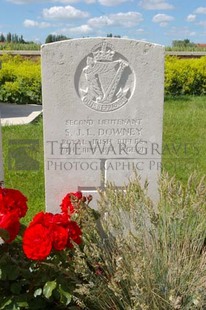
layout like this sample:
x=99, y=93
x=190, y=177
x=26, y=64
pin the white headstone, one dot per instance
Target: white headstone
x=1, y=157
x=103, y=109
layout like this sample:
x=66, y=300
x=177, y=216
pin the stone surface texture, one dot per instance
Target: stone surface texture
x=103, y=110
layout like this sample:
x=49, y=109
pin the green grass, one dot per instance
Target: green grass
x=31, y=183
x=184, y=132
x=184, y=148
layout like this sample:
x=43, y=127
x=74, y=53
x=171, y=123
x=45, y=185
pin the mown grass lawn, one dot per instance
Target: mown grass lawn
x=31, y=183
x=184, y=136
x=184, y=148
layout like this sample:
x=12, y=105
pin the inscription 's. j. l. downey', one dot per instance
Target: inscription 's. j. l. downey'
x=104, y=80
x=103, y=106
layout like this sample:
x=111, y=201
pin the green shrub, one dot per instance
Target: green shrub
x=185, y=76
x=20, y=46
x=20, y=80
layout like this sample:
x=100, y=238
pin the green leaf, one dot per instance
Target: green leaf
x=38, y=292
x=6, y=303
x=65, y=297
x=15, y=288
x=48, y=288
x=12, y=272
x=23, y=305
x=22, y=230
x=4, y=234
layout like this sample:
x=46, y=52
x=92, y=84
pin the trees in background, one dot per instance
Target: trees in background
x=53, y=38
x=183, y=43
x=13, y=41
x=59, y=37
x=11, y=38
x=2, y=38
x=110, y=35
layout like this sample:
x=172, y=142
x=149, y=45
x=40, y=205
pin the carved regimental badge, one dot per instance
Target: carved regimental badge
x=104, y=80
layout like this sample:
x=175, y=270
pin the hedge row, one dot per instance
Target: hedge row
x=20, y=79
x=185, y=76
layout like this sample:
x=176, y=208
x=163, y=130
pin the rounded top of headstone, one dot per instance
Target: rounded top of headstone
x=114, y=40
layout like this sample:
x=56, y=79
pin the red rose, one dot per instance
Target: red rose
x=37, y=242
x=12, y=200
x=61, y=219
x=59, y=236
x=37, y=219
x=78, y=195
x=66, y=205
x=10, y=223
x=47, y=231
x=69, y=244
x=48, y=219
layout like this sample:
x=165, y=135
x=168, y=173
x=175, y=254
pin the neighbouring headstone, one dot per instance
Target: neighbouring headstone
x=103, y=109
x=1, y=157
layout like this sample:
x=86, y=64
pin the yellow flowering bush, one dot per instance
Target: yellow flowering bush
x=185, y=76
x=20, y=80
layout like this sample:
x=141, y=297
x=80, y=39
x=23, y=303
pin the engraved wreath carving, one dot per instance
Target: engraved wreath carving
x=106, y=82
